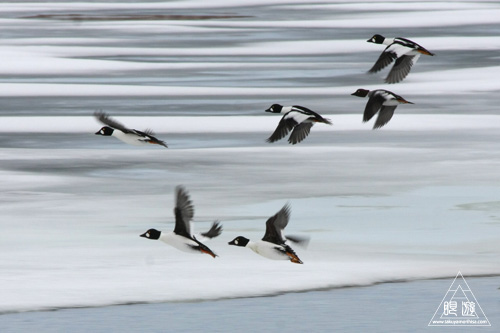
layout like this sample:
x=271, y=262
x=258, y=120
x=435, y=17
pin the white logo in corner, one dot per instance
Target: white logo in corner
x=459, y=307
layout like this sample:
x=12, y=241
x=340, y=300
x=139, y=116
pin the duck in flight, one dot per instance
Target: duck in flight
x=181, y=237
x=404, y=51
x=297, y=119
x=273, y=244
x=382, y=101
x=130, y=136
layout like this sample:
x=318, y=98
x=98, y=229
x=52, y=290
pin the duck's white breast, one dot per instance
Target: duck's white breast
x=267, y=250
x=129, y=138
x=179, y=242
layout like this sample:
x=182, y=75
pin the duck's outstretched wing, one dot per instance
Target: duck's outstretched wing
x=373, y=105
x=285, y=125
x=382, y=62
x=300, y=132
x=401, y=68
x=391, y=53
x=275, y=225
x=184, y=212
x=107, y=120
x=385, y=114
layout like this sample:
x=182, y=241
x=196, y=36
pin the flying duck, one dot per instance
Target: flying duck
x=404, y=51
x=296, y=118
x=273, y=244
x=181, y=238
x=130, y=136
x=382, y=101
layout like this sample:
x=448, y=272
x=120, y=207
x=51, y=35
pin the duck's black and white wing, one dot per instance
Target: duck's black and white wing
x=146, y=133
x=311, y=114
x=285, y=125
x=412, y=45
x=391, y=53
x=374, y=103
x=275, y=225
x=300, y=132
x=184, y=212
x=214, y=231
x=303, y=109
x=401, y=68
x=107, y=120
x=385, y=114
x=382, y=62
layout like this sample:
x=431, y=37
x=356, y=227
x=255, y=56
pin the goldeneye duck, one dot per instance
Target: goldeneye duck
x=130, y=136
x=296, y=118
x=382, y=101
x=181, y=238
x=273, y=244
x=404, y=51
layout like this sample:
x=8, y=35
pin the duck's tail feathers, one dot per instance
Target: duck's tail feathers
x=327, y=121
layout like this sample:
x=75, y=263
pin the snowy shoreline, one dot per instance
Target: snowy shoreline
x=319, y=289
x=411, y=306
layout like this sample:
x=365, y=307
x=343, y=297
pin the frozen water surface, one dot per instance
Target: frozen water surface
x=417, y=199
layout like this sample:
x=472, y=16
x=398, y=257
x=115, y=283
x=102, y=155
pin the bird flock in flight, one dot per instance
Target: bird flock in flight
x=296, y=120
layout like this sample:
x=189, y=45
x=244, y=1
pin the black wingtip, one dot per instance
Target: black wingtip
x=287, y=208
x=99, y=114
x=392, y=81
x=215, y=230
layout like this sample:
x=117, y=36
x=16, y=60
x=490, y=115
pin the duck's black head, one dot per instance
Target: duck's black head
x=239, y=241
x=105, y=131
x=360, y=93
x=275, y=108
x=377, y=39
x=151, y=234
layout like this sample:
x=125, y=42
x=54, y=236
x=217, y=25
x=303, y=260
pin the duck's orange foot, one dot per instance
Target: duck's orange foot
x=208, y=252
x=293, y=258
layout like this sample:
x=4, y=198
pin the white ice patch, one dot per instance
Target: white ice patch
x=246, y=124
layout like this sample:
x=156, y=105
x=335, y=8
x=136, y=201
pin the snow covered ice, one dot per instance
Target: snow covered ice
x=417, y=199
